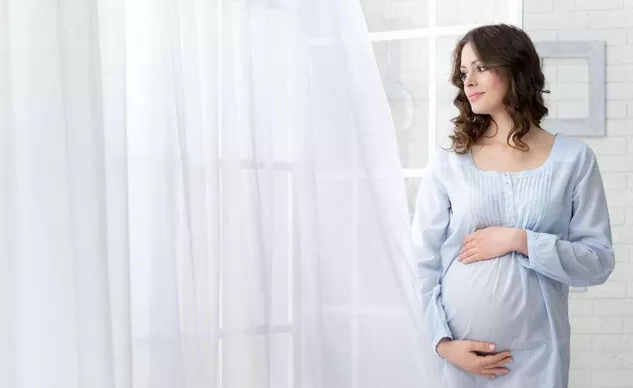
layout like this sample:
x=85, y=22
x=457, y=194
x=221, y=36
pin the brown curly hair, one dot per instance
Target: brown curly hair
x=508, y=51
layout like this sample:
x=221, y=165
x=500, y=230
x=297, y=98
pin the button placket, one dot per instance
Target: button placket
x=507, y=180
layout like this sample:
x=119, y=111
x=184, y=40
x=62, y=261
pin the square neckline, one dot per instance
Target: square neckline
x=534, y=170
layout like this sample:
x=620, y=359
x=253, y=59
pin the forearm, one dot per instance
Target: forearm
x=580, y=263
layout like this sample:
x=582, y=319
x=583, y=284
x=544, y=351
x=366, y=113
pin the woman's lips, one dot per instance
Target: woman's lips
x=474, y=96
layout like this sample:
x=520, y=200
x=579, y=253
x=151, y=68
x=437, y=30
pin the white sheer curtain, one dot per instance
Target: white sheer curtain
x=200, y=193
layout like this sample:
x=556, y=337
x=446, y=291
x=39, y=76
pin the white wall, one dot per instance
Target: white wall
x=602, y=317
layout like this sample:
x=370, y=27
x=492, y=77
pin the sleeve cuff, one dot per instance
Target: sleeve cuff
x=438, y=336
x=539, y=244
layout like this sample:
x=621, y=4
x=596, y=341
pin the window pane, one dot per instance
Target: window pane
x=456, y=12
x=403, y=65
x=282, y=237
x=257, y=361
x=335, y=201
x=373, y=268
x=333, y=132
x=446, y=92
x=389, y=15
x=255, y=211
x=242, y=251
x=412, y=185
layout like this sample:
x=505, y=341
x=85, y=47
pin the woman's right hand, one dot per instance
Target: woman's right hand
x=464, y=354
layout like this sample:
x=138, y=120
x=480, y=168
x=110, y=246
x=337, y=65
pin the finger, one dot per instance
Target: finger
x=496, y=371
x=474, y=258
x=466, y=254
x=506, y=360
x=484, y=373
x=477, y=346
x=493, y=360
x=468, y=238
x=467, y=246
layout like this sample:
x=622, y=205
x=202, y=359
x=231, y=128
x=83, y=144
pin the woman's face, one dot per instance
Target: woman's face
x=484, y=88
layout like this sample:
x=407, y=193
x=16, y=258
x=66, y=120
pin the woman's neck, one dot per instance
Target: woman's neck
x=500, y=128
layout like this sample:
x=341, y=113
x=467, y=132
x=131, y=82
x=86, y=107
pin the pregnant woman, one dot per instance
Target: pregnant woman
x=505, y=221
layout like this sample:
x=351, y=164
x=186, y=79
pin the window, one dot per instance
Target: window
x=413, y=42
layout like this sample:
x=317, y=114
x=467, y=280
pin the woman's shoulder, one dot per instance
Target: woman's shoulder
x=445, y=159
x=576, y=157
x=574, y=150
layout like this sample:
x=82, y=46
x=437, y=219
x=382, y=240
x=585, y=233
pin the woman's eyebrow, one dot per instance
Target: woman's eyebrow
x=472, y=63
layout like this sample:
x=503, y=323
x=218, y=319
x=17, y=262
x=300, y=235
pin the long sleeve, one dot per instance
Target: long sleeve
x=430, y=223
x=587, y=257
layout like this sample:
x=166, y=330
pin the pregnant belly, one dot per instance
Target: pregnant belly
x=496, y=300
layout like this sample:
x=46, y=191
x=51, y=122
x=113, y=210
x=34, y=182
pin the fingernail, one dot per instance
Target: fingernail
x=491, y=347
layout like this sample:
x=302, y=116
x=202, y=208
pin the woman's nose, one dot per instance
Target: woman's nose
x=470, y=79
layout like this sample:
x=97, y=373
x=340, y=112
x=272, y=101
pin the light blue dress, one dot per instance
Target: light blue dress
x=519, y=303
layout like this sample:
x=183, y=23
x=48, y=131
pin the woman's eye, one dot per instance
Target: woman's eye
x=481, y=68
x=462, y=76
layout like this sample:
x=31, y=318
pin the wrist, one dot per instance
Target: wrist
x=519, y=241
x=442, y=346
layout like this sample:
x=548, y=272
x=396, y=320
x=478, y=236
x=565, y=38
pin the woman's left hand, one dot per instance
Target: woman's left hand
x=491, y=242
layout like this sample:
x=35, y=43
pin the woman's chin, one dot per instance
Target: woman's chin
x=479, y=110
